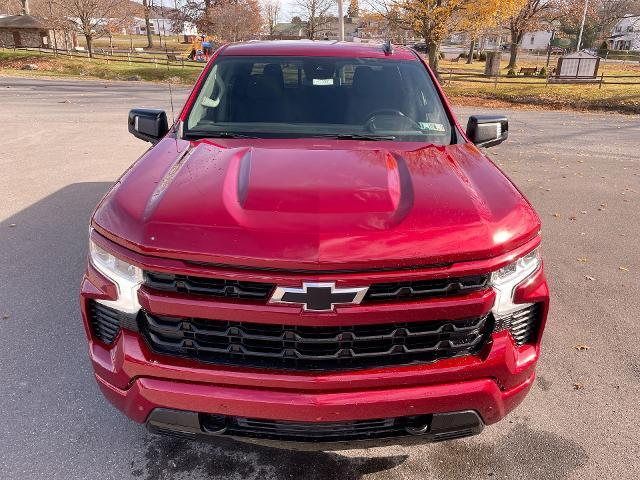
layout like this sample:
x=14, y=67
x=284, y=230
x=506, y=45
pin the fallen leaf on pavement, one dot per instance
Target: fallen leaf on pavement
x=578, y=386
x=582, y=260
x=589, y=277
x=582, y=348
x=624, y=269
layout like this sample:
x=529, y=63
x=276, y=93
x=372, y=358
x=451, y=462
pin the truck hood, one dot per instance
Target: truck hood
x=316, y=204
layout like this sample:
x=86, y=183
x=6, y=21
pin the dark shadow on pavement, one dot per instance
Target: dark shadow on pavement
x=42, y=253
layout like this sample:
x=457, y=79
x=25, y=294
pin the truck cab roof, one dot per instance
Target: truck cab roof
x=310, y=48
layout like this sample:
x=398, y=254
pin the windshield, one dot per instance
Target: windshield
x=292, y=97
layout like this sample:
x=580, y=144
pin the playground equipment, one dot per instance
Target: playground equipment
x=201, y=48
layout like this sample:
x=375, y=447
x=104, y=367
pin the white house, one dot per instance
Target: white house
x=162, y=26
x=626, y=34
x=538, y=40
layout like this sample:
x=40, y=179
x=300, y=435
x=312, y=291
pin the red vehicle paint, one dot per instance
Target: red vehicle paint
x=314, y=285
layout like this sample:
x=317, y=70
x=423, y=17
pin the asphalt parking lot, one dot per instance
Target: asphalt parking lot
x=62, y=143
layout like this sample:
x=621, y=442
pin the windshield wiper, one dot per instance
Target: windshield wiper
x=218, y=135
x=355, y=136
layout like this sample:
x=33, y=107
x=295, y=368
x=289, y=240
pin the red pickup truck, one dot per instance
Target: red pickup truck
x=315, y=252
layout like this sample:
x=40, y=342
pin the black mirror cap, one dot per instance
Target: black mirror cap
x=487, y=130
x=148, y=124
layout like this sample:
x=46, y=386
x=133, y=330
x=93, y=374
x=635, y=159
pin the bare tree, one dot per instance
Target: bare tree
x=526, y=20
x=608, y=12
x=234, y=20
x=147, y=22
x=96, y=18
x=316, y=15
x=271, y=13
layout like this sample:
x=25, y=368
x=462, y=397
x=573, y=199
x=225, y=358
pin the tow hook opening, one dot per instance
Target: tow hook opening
x=213, y=424
x=418, y=425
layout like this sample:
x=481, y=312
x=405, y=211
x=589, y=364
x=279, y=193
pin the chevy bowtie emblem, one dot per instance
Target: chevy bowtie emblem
x=318, y=297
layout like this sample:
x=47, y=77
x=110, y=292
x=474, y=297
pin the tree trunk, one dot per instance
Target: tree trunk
x=472, y=47
x=513, y=55
x=147, y=22
x=89, y=39
x=434, y=56
x=516, y=36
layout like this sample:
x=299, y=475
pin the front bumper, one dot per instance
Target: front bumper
x=439, y=388
x=192, y=425
x=143, y=384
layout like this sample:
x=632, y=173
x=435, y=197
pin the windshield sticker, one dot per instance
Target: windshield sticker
x=323, y=81
x=435, y=127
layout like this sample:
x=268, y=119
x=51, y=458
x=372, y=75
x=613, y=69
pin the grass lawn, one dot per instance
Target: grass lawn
x=537, y=94
x=620, y=98
x=138, y=41
x=11, y=63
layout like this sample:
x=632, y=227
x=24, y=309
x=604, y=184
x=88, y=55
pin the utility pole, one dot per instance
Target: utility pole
x=584, y=17
x=549, y=47
x=341, y=20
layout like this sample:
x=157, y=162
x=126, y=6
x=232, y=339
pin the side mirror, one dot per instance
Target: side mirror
x=147, y=124
x=487, y=130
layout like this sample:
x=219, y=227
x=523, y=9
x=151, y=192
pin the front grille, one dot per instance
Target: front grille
x=522, y=324
x=313, y=348
x=208, y=286
x=389, y=292
x=105, y=322
x=425, y=288
x=320, y=432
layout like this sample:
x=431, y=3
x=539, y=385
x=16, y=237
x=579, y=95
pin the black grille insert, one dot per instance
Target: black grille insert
x=522, y=324
x=105, y=322
x=425, y=288
x=321, y=432
x=208, y=286
x=389, y=292
x=313, y=348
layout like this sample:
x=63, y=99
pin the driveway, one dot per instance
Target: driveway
x=64, y=142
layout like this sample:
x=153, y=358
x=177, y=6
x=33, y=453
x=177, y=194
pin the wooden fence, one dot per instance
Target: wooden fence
x=451, y=76
x=156, y=59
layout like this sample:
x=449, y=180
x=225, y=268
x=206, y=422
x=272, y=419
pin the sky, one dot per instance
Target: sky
x=289, y=7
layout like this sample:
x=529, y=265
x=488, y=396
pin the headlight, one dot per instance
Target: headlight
x=126, y=277
x=505, y=280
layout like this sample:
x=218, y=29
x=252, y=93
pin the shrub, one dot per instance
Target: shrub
x=604, y=46
x=511, y=73
x=543, y=72
x=483, y=57
x=476, y=56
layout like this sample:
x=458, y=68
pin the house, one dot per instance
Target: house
x=164, y=27
x=536, y=40
x=288, y=31
x=625, y=34
x=33, y=32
